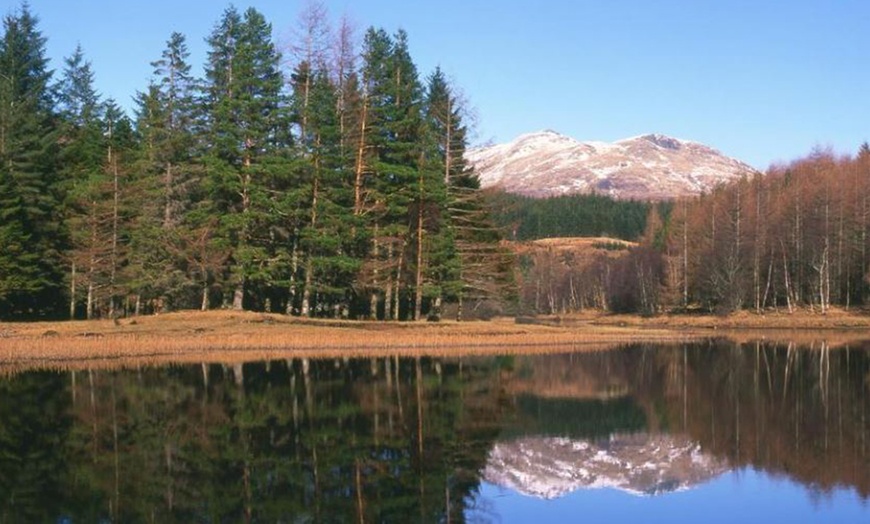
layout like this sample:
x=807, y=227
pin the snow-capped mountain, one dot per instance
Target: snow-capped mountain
x=644, y=167
x=548, y=467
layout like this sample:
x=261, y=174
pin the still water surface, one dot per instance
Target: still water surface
x=711, y=432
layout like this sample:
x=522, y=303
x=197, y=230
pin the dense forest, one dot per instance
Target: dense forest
x=335, y=187
x=590, y=215
x=793, y=237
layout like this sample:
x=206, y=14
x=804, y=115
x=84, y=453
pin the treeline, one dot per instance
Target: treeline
x=337, y=188
x=528, y=218
x=794, y=237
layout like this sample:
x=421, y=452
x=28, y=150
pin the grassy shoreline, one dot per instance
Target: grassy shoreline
x=232, y=337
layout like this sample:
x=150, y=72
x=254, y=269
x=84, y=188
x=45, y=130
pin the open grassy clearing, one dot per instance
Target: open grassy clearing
x=232, y=337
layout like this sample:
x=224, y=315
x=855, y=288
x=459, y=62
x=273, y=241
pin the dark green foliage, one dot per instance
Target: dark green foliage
x=342, y=192
x=35, y=430
x=246, y=132
x=577, y=418
x=169, y=266
x=528, y=218
x=324, y=221
x=30, y=237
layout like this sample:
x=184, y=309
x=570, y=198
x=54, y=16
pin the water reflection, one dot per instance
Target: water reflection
x=639, y=464
x=393, y=440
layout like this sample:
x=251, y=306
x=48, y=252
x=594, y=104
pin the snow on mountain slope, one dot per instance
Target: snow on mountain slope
x=644, y=167
x=548, y=467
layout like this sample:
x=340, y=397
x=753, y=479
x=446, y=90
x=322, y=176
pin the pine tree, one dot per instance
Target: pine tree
x=30, y=236
x=386, y=180
x=450, y=183
x=170, y=174
x=175, y=141
x=468, y=261
x=327, y=237
x=81, y=156
x=247, y=129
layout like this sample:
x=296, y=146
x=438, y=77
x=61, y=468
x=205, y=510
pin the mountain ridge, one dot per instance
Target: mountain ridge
x=652, y=166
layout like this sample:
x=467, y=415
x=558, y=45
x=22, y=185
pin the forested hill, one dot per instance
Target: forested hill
x=793, y=238
x=334, y=187
x=529, y=218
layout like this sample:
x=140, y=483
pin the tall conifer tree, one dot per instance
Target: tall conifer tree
x=327, y=238
x=82, y=158
x=467, y=260
x=30, y=237
x=169, y=219
x=247, y=129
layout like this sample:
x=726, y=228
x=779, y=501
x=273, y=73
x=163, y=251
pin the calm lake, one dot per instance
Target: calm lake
x=709, y=432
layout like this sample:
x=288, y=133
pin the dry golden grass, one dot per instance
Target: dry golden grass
x=232, y=337
x=835, y=318
x=837, y=327
x=222, y=336
x=582, y=246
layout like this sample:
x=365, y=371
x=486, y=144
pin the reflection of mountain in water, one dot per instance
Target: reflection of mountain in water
x=395, y=440
x=642, y=464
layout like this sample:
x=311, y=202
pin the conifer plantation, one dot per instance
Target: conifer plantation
x=334, y=186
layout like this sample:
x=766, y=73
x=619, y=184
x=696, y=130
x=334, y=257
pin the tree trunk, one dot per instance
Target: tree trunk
x=359, y=169
x=115, y=217
x=204, y=303
x=397, y=294
x=373, y=301
x=72, y=292
x=167, y=195
x=92, y=263
x=239, y=295
x=418, y=280
x=305, y=310
x=239, y=291
x=294, y=268
x=388, y=285
x=90, y=302
x=309, y=266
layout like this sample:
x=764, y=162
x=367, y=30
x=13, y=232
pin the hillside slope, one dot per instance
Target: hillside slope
x=651, y=166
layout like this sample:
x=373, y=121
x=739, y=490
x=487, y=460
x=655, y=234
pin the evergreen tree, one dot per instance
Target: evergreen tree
x=170, y=175
x=119, y=145
x=81, y=156
x=247, y=133
x=174, y=143
x=455, y=182
x=393, y=112
x=98, y=212
x=30, y=236
x=469, y=261
x=327, y=235
x=364, y=215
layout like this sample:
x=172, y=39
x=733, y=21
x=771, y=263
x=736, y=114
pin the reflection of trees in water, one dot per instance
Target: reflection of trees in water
x=785, y=409
x=327, y=441
x=34, y=420
x=797, y=411
x=390, y=439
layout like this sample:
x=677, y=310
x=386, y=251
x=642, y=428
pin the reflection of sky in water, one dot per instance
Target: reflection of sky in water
x=741, y=497
x=406, y=440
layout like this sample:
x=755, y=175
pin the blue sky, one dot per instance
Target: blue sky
x=761, y=80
